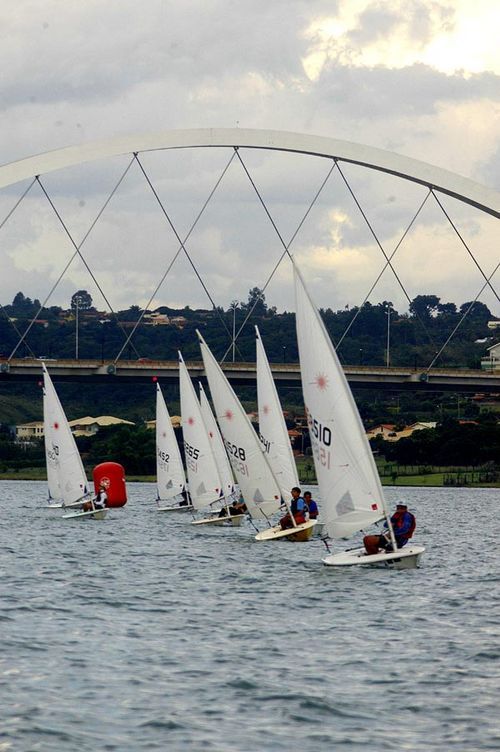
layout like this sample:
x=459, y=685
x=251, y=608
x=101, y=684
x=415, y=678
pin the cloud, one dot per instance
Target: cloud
x=394, y=75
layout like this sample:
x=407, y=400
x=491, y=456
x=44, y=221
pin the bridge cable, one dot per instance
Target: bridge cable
x=464, y=316
x=4, y=221
x=286, y=250
x=98, y=216
x=466, y=246
x=403, y=236
x=351, y=191
x=181, y=245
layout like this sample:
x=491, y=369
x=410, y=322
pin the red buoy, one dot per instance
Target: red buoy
x=112, y=475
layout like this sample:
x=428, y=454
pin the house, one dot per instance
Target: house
x=156, y=319
x=29, y=431
x=492, y=362
x=90, y=426
x=409, y=430
x=384, y=429
x=175, y=421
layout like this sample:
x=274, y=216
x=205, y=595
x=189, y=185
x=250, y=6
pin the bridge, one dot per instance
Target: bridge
x=336, y=153
x=286, y=374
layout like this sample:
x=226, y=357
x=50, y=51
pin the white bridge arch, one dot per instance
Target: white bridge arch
x=446, y=182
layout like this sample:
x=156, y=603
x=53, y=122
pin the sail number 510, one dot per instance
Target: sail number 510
x=321, y=432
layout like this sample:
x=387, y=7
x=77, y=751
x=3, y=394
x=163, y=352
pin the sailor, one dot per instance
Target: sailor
x=233, y=510
x=100, y=500
x=403, y=524
x=298, y=509
x=311, y=505
x=240, y=505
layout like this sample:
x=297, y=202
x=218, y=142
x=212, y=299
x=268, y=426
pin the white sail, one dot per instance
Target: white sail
x=203, y=475
x=273, y=431
x=170, y=477
x=72, y=480
x=51, y=454
x=218, y=448
x=258, y=486
x=350, y=488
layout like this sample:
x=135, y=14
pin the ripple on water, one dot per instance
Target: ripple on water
x=141, y=633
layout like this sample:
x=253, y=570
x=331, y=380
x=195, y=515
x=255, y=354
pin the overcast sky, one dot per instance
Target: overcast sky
x=419, y=77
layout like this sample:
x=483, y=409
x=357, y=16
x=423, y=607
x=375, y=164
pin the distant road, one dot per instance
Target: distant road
x=369, y=377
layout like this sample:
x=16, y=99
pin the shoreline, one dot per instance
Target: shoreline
x=38, y=474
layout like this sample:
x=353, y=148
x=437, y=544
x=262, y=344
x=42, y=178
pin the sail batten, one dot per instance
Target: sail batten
x=352, y=496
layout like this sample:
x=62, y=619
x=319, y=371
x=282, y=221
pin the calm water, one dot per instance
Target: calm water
x=138, y=633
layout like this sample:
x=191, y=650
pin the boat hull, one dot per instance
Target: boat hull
x=299, y=534
x=233, y=520
x=97, y=514
x=176, y=508
x=405, y=558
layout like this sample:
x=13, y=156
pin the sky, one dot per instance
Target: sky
x=419, y=77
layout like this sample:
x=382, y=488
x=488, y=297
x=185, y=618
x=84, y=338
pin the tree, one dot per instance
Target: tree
x=424, y=305
x=256, y=297
x=84, y=300
x=444, y=308
x=479, y=311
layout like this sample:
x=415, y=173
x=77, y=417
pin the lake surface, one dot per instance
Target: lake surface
x=140, y=633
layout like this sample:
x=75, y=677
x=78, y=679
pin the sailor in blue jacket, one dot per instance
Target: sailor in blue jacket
x=403, y=524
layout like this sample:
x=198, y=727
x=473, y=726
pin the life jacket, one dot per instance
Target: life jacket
x=413, y=525
x=397, y=520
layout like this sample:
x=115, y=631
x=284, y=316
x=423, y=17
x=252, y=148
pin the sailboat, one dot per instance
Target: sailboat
x=205, y=485
x=54, y=500
x=218, y=448
x=260, y=489
x=275, y=441
x=350, y=488
x=170, y=476
x=64, y=461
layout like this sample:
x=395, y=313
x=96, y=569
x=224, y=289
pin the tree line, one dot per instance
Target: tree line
x=415, y=336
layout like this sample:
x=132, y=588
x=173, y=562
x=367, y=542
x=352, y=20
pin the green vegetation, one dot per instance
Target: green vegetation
x=444, y=453
x=415, y=335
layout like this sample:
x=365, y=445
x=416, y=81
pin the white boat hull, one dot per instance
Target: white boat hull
x=404, y=558
x=176, y=508
x=62, y=505
x=298, y=534
x=233, y=520
x=97, y=514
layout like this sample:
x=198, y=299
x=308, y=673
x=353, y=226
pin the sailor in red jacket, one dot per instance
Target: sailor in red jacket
x=403, y=524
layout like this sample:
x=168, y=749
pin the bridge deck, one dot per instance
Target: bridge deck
x=370, y=377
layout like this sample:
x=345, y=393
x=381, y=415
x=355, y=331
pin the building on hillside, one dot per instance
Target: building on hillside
x=388, y=432
x=492, y=362
x=409, y=430
x=487, y=402
x=156, y=319
x=384, y=429
x=90, y=426
x=29, y=431
x=174, y=419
